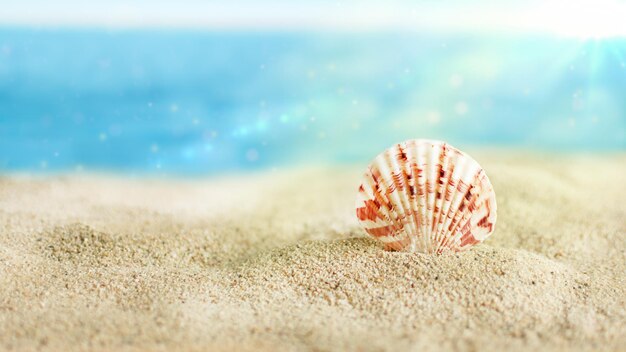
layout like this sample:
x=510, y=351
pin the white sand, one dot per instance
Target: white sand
x=277, y=261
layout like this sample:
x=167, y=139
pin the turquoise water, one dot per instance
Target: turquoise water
x=198, y=102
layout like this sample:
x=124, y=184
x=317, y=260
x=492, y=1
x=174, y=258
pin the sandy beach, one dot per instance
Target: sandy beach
x=277, y=261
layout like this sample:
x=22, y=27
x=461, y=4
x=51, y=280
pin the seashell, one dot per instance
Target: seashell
x=426, y=196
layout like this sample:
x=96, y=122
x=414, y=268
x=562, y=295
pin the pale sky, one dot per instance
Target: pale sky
x=574, y=18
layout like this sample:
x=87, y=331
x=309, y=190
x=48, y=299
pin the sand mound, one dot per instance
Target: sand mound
x=420, y=297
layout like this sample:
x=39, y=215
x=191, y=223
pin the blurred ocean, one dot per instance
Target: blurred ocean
x=195, y=102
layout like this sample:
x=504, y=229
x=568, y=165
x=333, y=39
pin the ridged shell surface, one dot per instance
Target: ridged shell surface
x=426, y=196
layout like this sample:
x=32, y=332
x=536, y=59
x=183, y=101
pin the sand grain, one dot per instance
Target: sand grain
x=277, y=261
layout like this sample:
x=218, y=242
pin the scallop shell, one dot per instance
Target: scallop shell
x=426, y=196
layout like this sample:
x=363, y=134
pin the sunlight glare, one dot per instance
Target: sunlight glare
x=585, y=19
